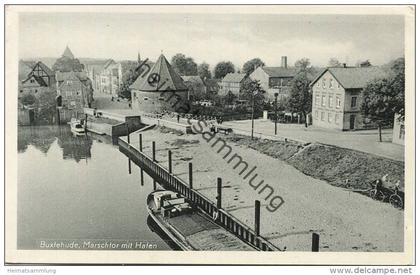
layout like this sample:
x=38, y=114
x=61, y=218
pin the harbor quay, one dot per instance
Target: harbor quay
x=311, y=205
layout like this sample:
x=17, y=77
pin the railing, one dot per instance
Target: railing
x=170, y=181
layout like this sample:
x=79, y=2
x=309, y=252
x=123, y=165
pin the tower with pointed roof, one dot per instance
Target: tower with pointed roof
x=159, y=89
x=67, y=53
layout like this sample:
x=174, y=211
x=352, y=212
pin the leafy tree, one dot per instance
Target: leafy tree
x=128, y=78
x=251, y=65
x=67, y=64
x=365, y=63
x=252, y=91
x=203, y=70
x=333, y=62
x=223, y=68
x=28, y=99
x=46, y=107
x=184, y=65
x=229, y=98
x=300, y=99
x=303, y=64
x=382, y=98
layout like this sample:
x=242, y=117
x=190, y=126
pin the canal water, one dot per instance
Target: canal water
x=78, y=188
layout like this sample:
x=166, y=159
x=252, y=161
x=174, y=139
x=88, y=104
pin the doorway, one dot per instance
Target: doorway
x=352, y=119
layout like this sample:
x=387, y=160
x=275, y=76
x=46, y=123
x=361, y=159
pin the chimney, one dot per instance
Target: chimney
x=345, y=65
x=284, y=61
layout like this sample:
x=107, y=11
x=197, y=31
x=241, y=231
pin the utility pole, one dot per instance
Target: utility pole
x=275, y=113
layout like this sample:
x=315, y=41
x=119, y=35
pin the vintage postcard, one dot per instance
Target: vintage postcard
x=218, y=134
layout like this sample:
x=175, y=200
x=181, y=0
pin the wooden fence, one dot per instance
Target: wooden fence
x=170, y=181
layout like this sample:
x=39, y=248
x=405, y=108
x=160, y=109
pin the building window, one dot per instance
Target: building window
x=323, y=83
x=145, y=98
x=322, y=116
x=353, y=101
x=316, y=114
x=323, y=100
x=337, y=119
x=317, y=100
x=337, y=102
x=329, y=117
x=32, y=81
x=330, y=101
x=331, y=83
x=21, y=91
x=319, y=83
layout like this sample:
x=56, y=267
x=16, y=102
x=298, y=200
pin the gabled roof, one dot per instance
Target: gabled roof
x=67, y=53
x=234, y=77
x=168, y=79
x=38, y=79
x=108, y=63
x=44, y=67
x=280, y=71
x=353, y=77
x=81, y=76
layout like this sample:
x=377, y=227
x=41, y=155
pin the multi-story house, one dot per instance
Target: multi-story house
x=39, y=80
x=232, y=83
x=74, y=92
x=106, y=76
x=337, y=96
x=275, y=79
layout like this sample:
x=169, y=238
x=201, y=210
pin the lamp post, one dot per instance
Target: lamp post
x=275, y=112
x=252, y=114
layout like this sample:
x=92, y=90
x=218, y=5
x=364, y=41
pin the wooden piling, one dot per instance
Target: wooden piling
x=170, y=161
x=141, y=177
x=315, y=242
x=190, y=173
x=154, y=160
x=86, y=117
x=140, y=142
x=257, y=217
x=154, y=151
x=219, y=193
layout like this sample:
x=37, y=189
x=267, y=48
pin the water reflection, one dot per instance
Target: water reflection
x=64, y=198
x=42, y=137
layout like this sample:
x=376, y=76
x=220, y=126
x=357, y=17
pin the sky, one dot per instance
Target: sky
x=212, y=38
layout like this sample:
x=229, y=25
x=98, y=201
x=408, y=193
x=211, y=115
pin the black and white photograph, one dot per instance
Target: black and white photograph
x=257, y=132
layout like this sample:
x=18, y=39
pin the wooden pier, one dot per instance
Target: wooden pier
x=169, y=181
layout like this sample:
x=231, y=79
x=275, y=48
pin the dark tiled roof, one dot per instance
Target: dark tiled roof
x=354, y=77
x=168, y=78
x=234, y=77
x=280, y=71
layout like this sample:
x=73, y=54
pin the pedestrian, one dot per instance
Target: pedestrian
x=177, y=118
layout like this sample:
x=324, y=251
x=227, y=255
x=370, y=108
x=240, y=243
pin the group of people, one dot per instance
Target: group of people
x=379, y=183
